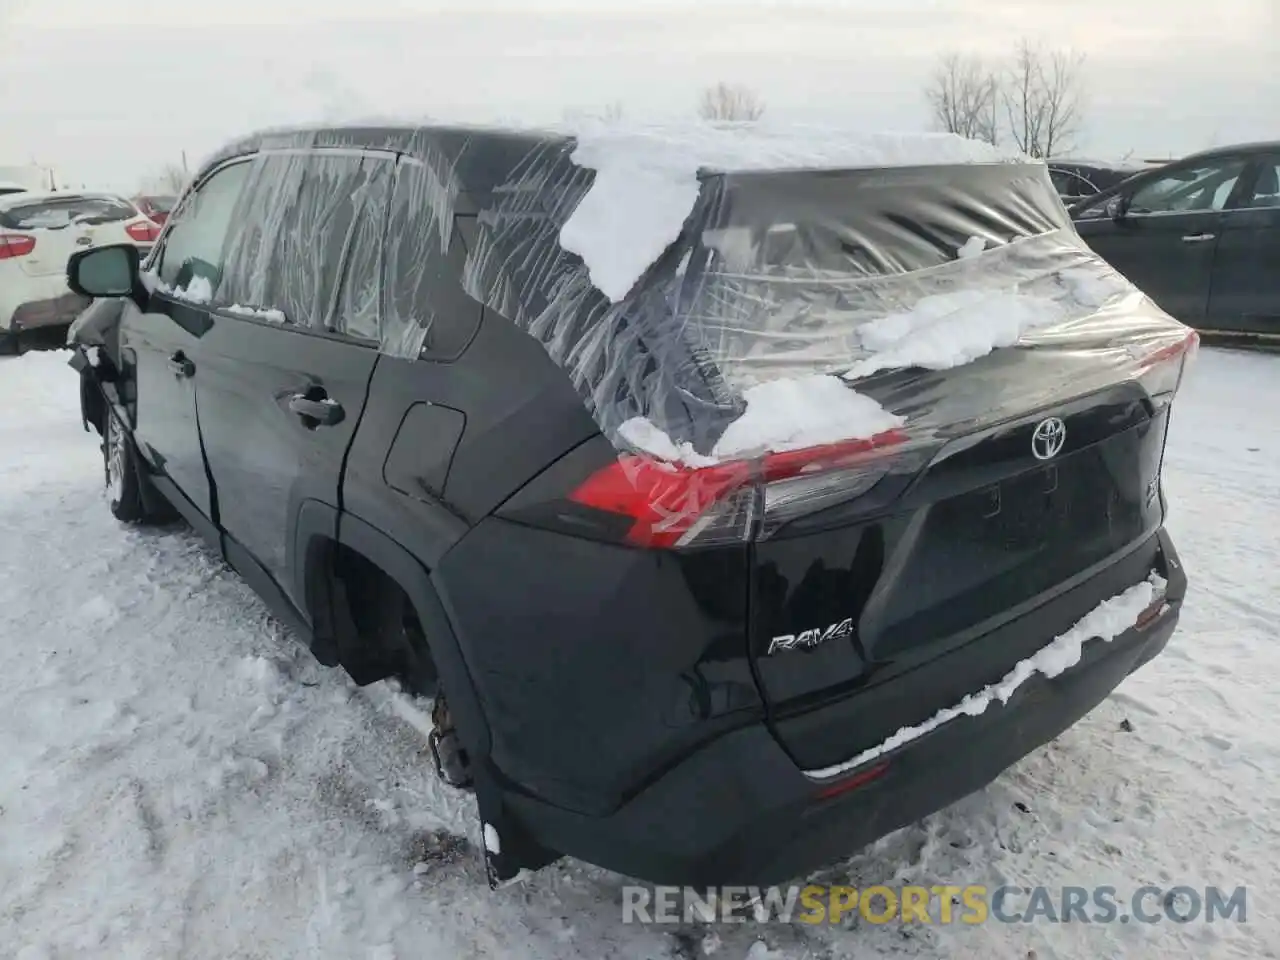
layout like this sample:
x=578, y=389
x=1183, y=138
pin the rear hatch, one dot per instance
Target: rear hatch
x=918, y=399
x=63, y=224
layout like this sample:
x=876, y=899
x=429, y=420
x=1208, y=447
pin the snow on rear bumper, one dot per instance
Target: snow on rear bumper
x=741, y=811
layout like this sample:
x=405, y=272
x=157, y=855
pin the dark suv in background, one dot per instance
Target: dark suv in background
x=1079, y=180
x=364, y=366
x=1200, y=236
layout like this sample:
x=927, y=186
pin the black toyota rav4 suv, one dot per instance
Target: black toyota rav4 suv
x=362, y=362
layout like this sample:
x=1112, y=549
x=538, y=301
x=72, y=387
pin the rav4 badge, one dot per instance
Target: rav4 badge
x=808, y=639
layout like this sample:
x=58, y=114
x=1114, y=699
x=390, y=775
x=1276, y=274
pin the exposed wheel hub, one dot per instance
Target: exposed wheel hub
x=450, y=756
x=116, y=461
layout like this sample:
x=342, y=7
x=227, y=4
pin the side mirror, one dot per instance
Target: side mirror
x=105, y=271
x=1118, y=207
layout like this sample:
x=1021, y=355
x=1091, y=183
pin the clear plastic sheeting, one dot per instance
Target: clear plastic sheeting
x=791, y=276
x=759, y=324
x=805, y=333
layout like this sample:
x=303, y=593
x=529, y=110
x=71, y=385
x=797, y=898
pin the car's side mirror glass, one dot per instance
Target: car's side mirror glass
x=105, y=272
x=1117, y=207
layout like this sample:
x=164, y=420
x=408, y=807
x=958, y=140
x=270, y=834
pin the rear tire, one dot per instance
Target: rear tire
x=8, y=343
x=124, y=477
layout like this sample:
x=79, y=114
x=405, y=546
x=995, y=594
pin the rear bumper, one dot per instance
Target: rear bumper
x=740, y=810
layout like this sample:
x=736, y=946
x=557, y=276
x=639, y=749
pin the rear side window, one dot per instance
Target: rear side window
x=196, y=241
x=306, y=217
x=358, y=311
x=58, y=212
x=428, y=314
x=1266, y=189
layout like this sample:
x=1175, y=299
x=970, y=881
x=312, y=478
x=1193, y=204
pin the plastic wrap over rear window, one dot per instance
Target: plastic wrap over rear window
x=781, y=276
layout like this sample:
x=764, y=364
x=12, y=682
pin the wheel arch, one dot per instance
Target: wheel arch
x=321, y=534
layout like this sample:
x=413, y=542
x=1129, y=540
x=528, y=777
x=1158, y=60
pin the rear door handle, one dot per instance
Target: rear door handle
x=1199, y=237
x=181, y=366
x=316, y=412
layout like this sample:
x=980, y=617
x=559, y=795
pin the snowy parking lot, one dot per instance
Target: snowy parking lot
x=179, y=780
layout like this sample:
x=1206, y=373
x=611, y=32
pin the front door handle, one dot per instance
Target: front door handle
x=1200, y=238
x=316, y=412
x=181, y=366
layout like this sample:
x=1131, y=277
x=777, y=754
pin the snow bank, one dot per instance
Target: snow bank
x=1105, y=622
x=647, y=178
x=132, y=667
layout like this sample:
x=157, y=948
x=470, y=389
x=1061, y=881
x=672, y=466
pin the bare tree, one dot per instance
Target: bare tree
x=964, y=95
x=173, y=178
x=1043, y=99
x=168, y=180
x=728, y=101
x=611, y=112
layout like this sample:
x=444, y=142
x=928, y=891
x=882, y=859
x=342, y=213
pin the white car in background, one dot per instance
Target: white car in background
x=38, y=233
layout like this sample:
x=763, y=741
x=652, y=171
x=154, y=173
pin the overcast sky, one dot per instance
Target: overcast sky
x=109, y=90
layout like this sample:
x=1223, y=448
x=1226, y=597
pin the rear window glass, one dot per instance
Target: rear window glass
x=54, y=214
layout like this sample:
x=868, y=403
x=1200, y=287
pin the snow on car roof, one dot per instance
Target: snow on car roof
x=30, y=196
x=647, y=178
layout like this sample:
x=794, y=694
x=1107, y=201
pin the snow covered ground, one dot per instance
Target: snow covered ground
x=178, y=780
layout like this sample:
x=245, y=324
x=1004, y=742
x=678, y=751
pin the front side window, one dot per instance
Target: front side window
x=1203, y=188
x=195, y=246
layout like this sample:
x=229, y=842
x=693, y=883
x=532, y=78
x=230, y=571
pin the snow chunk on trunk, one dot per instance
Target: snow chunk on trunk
x=804, y=412
x=1105, y=622
x=646, y=181
x=948, y=330
x=781, y=415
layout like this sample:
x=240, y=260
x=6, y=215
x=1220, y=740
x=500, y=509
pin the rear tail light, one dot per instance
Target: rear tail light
x=859, y=779
x=143, y=231
x=671, y=505
x=14, y=245
x=1160, y=372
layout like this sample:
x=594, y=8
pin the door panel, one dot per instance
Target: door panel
x=264, y=392
x=1169, y=257
x=1165, y=241
x=164, y=342
x=280, y=399
x=1246, y=271
x=160, y=345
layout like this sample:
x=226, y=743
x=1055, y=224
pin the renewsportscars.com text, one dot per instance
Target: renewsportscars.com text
x=940, y=904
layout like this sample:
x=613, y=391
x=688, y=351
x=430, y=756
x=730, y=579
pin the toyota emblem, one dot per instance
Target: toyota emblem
x=1048, y=438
